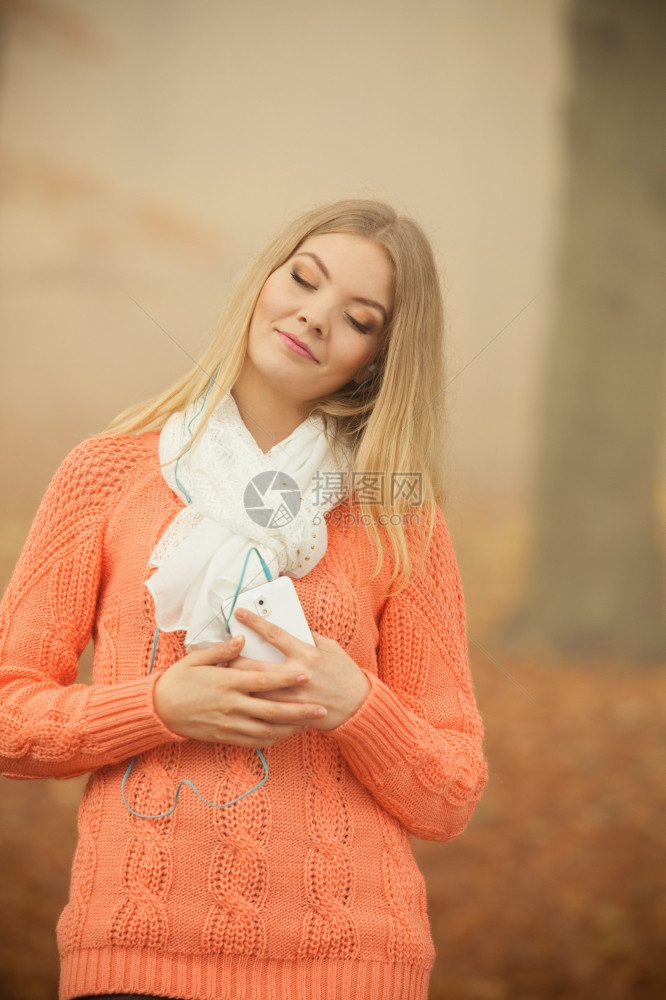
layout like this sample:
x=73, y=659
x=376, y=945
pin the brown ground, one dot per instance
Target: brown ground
x=557, y=889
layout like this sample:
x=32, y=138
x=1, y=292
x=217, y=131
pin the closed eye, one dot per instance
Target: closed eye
x=361, y=327
x=300, y=279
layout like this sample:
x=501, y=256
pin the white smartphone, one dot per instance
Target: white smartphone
x=277, y=602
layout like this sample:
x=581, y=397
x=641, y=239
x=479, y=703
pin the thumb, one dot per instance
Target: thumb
x=220, y=652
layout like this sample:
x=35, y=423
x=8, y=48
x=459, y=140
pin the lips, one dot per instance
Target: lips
x=296, y=345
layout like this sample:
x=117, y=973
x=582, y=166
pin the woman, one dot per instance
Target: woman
x=244, y=833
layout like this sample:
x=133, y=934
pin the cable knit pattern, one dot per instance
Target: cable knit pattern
x=405, y=945
x=146, y=871
x=106, y=634
x=238, y=872
x=306, y=888
x=328, y=928
x=72, y=919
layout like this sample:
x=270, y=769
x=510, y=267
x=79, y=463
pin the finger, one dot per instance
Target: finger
x=245, y=663
x=323, y=641
x=221, y=652
x=263, y=734
x=284, y=694
x=284, y=641
x=287, y=712
x=250, y=680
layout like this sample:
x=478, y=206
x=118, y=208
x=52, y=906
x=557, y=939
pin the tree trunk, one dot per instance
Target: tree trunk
x=596, y=583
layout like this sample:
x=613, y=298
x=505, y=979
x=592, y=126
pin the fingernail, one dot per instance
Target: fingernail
x=235, y=641
x=321, y=712
x=240, y=613
x=302, y=678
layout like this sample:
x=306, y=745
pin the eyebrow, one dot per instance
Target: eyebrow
x=322, y=267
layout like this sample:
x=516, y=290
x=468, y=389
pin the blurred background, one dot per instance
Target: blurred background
x=149, y=147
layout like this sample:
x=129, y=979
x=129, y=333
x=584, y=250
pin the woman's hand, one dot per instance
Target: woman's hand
x=198, y=698
x=336, y=682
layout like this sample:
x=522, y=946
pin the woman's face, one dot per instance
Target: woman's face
x=320, y=317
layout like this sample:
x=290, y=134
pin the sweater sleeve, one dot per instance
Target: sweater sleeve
x=416, y=741
x=50, y=725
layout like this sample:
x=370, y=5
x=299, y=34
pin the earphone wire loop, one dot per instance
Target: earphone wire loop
x=188, y=781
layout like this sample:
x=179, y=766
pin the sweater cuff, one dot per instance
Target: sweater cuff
x=121, y=720
x=381, y=733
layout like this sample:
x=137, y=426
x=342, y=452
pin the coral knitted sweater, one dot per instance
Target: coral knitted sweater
x=307, y=888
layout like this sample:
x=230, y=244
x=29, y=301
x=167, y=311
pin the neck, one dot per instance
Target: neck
x=269, y=416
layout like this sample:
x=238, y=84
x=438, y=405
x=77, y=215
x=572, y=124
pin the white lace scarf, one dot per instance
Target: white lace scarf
x=200, y=556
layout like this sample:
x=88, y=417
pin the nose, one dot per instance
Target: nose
x=312, y=318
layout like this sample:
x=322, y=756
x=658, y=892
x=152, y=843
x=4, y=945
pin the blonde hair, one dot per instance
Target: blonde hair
x=394, y=423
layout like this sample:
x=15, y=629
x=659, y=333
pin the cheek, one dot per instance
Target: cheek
x=351, y=359
x=273, y=299
x=260, y=307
